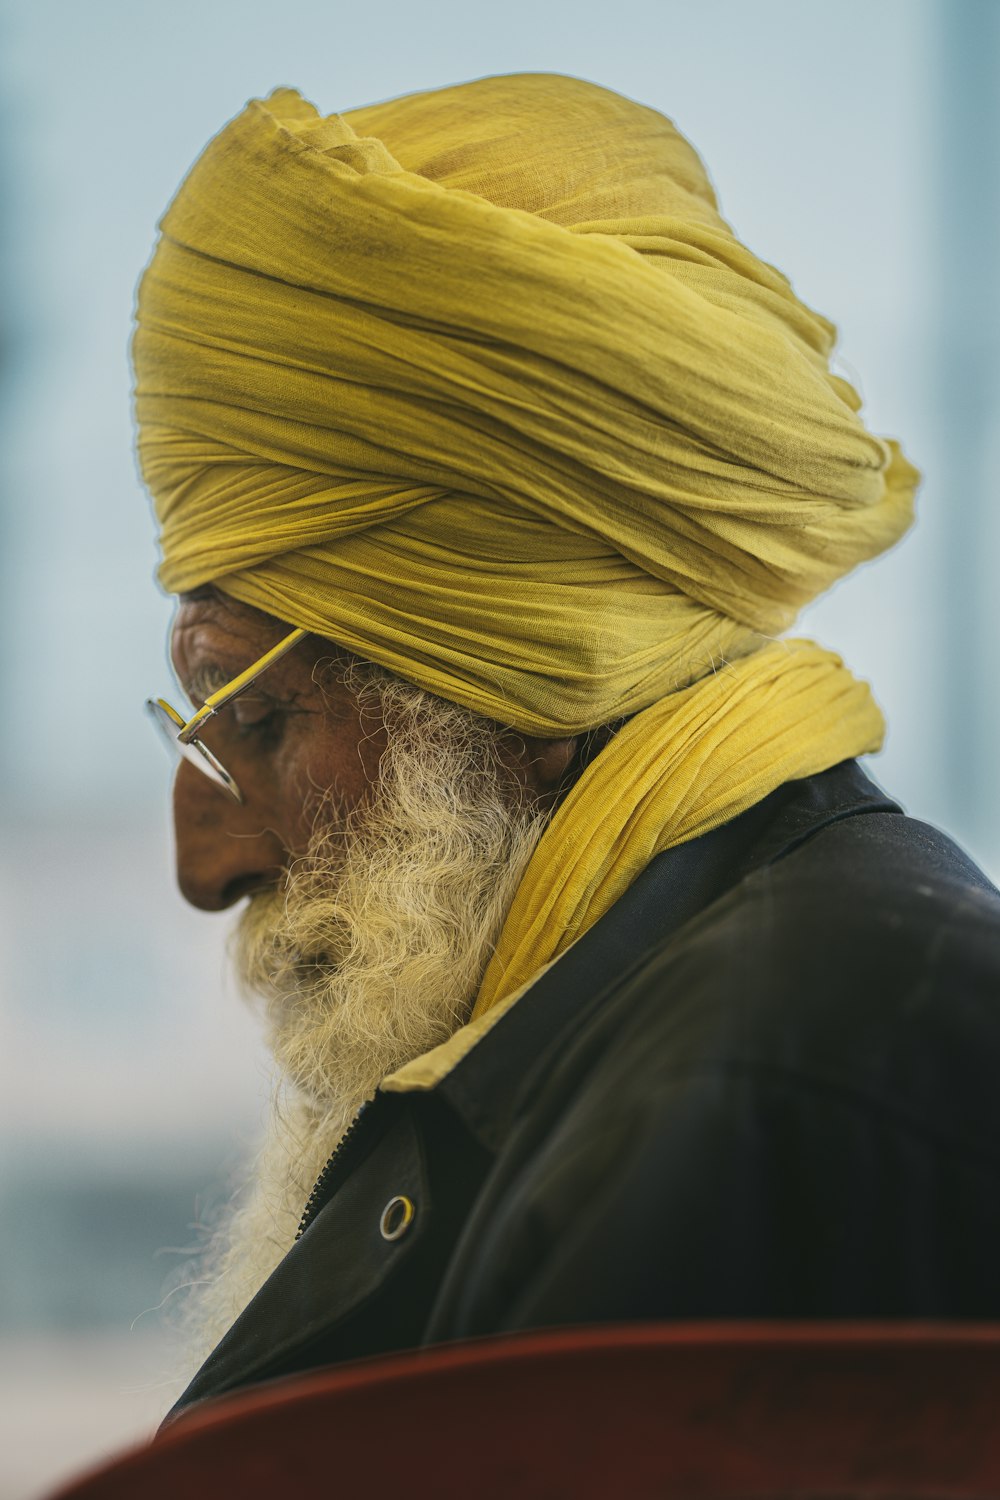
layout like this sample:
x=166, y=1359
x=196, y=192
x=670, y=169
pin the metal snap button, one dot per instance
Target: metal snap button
x=397, y=1216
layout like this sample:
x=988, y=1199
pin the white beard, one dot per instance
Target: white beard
x=371, y=954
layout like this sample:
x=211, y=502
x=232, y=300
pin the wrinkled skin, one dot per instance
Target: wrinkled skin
x=287, y=742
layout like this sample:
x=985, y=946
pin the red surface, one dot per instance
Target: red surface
x=689, y=1411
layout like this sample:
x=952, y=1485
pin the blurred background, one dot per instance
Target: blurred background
x=852, y=142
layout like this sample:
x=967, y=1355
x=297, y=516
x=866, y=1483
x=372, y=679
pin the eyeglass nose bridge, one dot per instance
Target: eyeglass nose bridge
x=182, y=742
x=188, y=732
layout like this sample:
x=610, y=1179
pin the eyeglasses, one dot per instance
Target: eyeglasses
x=182, y=734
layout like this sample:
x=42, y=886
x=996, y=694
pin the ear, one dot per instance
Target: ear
x=543, y=765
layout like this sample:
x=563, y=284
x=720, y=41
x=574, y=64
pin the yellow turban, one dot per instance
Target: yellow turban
x=479, y=384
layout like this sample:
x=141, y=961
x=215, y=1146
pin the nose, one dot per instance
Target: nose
x=222, y=850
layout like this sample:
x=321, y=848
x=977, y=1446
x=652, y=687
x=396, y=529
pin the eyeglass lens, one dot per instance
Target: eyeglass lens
x=169, y=723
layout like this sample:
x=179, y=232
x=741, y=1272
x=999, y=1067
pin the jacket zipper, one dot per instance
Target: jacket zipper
x=321, y=1188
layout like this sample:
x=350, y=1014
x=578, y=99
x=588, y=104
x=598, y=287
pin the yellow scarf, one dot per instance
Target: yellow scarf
x=480, y=385
x=693, y=761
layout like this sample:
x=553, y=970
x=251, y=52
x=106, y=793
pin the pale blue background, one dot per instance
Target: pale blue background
x=853, y=143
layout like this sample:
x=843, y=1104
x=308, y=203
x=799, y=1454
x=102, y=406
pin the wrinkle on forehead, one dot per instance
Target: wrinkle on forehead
x=214, y=639
x=211, y=634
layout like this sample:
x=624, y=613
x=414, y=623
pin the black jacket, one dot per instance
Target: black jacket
x=765, y=1085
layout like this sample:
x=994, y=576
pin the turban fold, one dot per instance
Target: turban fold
x=478, y=384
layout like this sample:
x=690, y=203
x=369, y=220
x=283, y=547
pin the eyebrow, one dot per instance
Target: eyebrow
x=210, y=677
x=205, y=680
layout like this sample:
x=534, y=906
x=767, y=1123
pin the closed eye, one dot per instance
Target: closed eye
x=260, y=723
x=251, y=713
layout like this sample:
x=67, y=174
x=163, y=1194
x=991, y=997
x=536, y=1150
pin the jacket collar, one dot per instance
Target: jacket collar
x=482, y=1075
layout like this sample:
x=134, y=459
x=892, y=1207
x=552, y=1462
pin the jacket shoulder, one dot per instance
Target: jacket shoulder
x=787, y=1108
x=868, y=957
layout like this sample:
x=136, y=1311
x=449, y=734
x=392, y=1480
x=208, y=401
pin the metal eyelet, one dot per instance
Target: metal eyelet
x=397, y=1216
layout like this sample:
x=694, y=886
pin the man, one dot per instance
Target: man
x=602, y=983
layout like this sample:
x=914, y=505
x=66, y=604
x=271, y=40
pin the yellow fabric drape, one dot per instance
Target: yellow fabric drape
x=692, y=761
x=480, y=385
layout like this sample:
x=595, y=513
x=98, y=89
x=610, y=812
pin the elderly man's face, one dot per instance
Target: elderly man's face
x=285, y=741
x=292, y=747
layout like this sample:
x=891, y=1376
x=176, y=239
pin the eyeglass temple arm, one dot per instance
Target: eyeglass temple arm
x=218, y=700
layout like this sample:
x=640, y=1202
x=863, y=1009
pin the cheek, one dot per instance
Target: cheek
x=333, y=770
